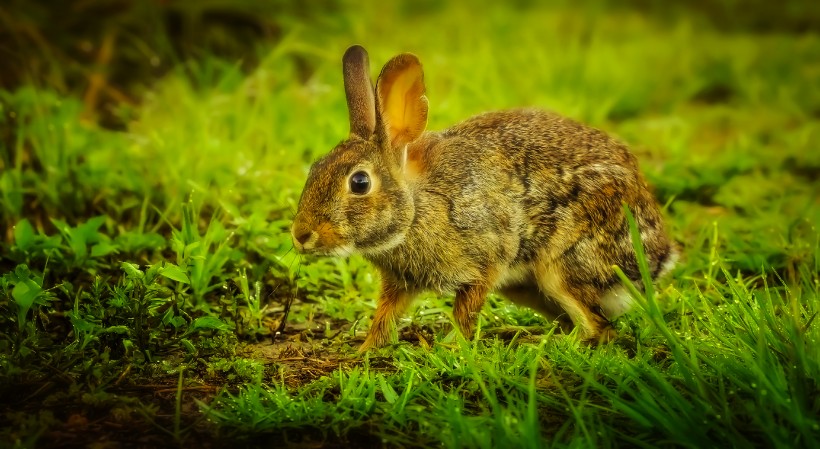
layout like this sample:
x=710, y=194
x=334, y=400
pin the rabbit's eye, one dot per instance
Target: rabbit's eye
x=360, y=183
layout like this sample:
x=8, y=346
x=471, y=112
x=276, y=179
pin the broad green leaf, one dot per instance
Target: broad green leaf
x=152, y=272
x=174, y=272
x=61, y=226
x=21, y=272
x=208, y=322
x=132, y=270
x=92, y=226
x=170, y=318
x=82, y=325
x=188, y=345
x=77, y=243
x=75, y=239
x=177, y=322
x=189, y=248
x=24, y=294
x=23, y=234
x=129, y=346
x=389, y=393
x=102, y=249
x=117, y=330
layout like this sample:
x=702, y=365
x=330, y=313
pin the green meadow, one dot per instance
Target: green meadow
x=151, y=162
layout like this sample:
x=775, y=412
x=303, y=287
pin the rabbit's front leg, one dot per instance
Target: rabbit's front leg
x=469, y=300
x=393, y=301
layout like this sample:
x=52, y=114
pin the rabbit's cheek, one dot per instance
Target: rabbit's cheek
x=328, y=237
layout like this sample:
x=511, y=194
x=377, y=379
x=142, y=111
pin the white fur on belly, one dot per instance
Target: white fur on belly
x=618, y=301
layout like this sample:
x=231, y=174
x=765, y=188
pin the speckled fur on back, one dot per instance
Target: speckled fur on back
x=523, y=202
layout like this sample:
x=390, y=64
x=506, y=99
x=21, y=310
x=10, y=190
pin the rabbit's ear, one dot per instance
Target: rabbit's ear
x=361, y=103
x=402, y=103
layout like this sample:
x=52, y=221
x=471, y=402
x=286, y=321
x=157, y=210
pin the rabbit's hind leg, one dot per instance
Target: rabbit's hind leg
x=580, y=302
x=530, y=296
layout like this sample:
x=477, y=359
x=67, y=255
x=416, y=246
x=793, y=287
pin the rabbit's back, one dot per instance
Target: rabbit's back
x=514, y=186
x=573, y=181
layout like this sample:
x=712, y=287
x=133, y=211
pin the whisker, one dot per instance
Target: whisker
x=286, y=312
x=288, y=251
x=299, y=258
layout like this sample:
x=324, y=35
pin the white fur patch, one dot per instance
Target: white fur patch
x=343, y=251
x=394, y=241
x=670, y=263
x=616, y=302
x=514, y=275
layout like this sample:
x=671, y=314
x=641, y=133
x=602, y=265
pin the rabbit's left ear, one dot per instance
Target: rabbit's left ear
x=359, y=92
x=402, y=105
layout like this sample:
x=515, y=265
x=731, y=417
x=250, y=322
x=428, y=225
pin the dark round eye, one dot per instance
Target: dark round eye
x=360, y=183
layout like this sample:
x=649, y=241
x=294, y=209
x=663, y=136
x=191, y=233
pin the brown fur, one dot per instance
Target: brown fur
x=523, y=202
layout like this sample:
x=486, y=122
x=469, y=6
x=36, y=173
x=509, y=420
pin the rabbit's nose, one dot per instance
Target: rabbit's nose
x=303, y=236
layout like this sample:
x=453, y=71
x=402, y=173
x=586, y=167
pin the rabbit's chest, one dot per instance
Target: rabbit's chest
x=427, y=264
x=453, y=239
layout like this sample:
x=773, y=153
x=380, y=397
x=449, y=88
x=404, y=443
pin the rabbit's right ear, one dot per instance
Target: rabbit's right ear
x=359, y=91
x=402, y=103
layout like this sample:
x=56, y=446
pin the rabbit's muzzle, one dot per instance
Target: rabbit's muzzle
x=304, y=236
x=312, y=237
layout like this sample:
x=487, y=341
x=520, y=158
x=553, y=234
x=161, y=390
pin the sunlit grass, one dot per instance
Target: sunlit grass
x=160, y=253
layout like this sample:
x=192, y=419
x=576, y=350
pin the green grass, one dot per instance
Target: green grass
x=144, y=272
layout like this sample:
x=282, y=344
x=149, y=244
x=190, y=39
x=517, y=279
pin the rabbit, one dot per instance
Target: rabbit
x=523, y=202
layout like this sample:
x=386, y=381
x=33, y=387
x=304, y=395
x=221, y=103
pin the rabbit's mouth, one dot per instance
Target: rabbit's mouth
x=336, y=251
x=322, y=242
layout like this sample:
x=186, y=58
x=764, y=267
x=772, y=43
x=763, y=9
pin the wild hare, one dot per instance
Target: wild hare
x=523, y=202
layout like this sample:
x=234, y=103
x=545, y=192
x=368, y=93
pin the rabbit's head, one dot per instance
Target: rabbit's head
x=356, y=197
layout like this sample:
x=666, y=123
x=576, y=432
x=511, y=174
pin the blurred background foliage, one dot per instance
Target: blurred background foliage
x=111, y=51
